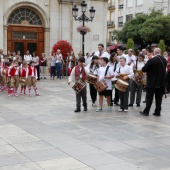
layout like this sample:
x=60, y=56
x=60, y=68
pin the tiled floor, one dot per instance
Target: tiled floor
x=44, y=133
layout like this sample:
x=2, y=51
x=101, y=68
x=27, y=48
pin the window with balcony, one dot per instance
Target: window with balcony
x=120, y=21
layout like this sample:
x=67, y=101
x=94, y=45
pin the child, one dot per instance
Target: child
x=23, y=80
x=6, y=78
x=14, y=81
x=78, y=73
x=105, y=73
x=31, y=75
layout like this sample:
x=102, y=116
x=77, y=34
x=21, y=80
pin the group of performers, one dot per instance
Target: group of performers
x=119, y=72
x=12, y=75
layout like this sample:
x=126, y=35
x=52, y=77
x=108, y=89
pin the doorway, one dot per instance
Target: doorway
x=21, y=38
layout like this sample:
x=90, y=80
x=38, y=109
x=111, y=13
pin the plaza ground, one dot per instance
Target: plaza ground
x=44, y=133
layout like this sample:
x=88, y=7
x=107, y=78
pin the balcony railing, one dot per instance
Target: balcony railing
x=110, y=23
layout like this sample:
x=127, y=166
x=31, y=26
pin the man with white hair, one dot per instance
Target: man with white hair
x=130, y=57
x=156, y=82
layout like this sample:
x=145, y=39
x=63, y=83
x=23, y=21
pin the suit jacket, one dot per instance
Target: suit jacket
x=156, y=72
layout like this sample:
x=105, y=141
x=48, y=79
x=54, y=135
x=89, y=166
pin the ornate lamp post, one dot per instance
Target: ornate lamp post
x=83, y=18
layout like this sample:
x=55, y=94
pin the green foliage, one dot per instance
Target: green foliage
x=161, y=45
x=146, y=29
x=130, y=44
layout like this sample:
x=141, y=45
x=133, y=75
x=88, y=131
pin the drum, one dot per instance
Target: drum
x=91, y=79
x=137, y=76
x=79, y=86
x=114, y=80
x=100, y=86
x=144, y=79
x=121, y=85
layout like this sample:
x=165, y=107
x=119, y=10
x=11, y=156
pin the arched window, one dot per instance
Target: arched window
x=24, y=16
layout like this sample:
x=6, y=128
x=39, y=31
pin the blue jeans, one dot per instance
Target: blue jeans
x=52, y=71
x=58, y=68
x=66, y=69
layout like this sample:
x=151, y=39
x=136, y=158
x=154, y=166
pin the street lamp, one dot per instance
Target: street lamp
x=83, y=18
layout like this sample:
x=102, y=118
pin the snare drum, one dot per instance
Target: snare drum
x=144, y=79
x=121, y=85
x=100, y=86
x=114, y=80
x=79, y=86
x=91, y=79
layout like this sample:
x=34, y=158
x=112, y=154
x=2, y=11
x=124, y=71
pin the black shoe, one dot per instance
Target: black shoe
x=77, y=110
x=85, y=109
x=117, y=104
x=143, y=113
x=130, y=105
x=41, y=77
x=156, y=114
x=144, y=101
x=137, y=105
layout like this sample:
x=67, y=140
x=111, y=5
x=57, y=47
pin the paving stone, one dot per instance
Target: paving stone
x=27, y=166
x=61, y=164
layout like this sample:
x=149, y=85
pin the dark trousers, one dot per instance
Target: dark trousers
x=168, y=81
x=83, y=95
x=38, y=71
x=52, y=71
x=124, y=97
x=136, y=89
x=158, y=92
x=58, y=68
x=116, y=99
x=93, y=93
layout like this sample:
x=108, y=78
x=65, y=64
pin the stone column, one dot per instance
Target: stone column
x=5, y=39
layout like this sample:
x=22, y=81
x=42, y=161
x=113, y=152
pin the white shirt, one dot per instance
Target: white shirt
x=36, y=60
x=101, y=74
x=125, y=70
x=140, y=65
x=123, y=55
x=32, y=75
x=130, y=58
x=93, y=70
x=114, y=66
x=104, y=54
x=87, y=60
x=28, y=58
x=59, y=58
x=72, y=75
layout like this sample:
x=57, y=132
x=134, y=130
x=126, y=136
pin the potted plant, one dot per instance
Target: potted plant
x=83, y=30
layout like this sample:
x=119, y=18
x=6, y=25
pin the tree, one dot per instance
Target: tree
x=130, y=44
x=161, y=45
x=146, y=29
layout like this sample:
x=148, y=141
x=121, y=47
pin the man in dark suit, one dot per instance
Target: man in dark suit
x=156, y=82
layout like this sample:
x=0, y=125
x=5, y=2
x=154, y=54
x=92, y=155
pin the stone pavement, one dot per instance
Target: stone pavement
x=44, y=133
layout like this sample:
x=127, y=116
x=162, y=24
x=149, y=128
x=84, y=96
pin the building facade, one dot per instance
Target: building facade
x=125, y=10
x=36, y=25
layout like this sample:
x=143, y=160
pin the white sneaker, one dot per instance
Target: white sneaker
x=120, y=110
x=125, y=110
x=94, y=105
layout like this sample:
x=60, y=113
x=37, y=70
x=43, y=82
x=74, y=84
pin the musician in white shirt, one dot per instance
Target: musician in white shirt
x=87, y=58
x=105, y=73
x=101, y=53
x=136, y=84
x=93, y=69
x=120, y=53
x=114, y=64
x=124, y=96
x=130, y=57
x=28, y=57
